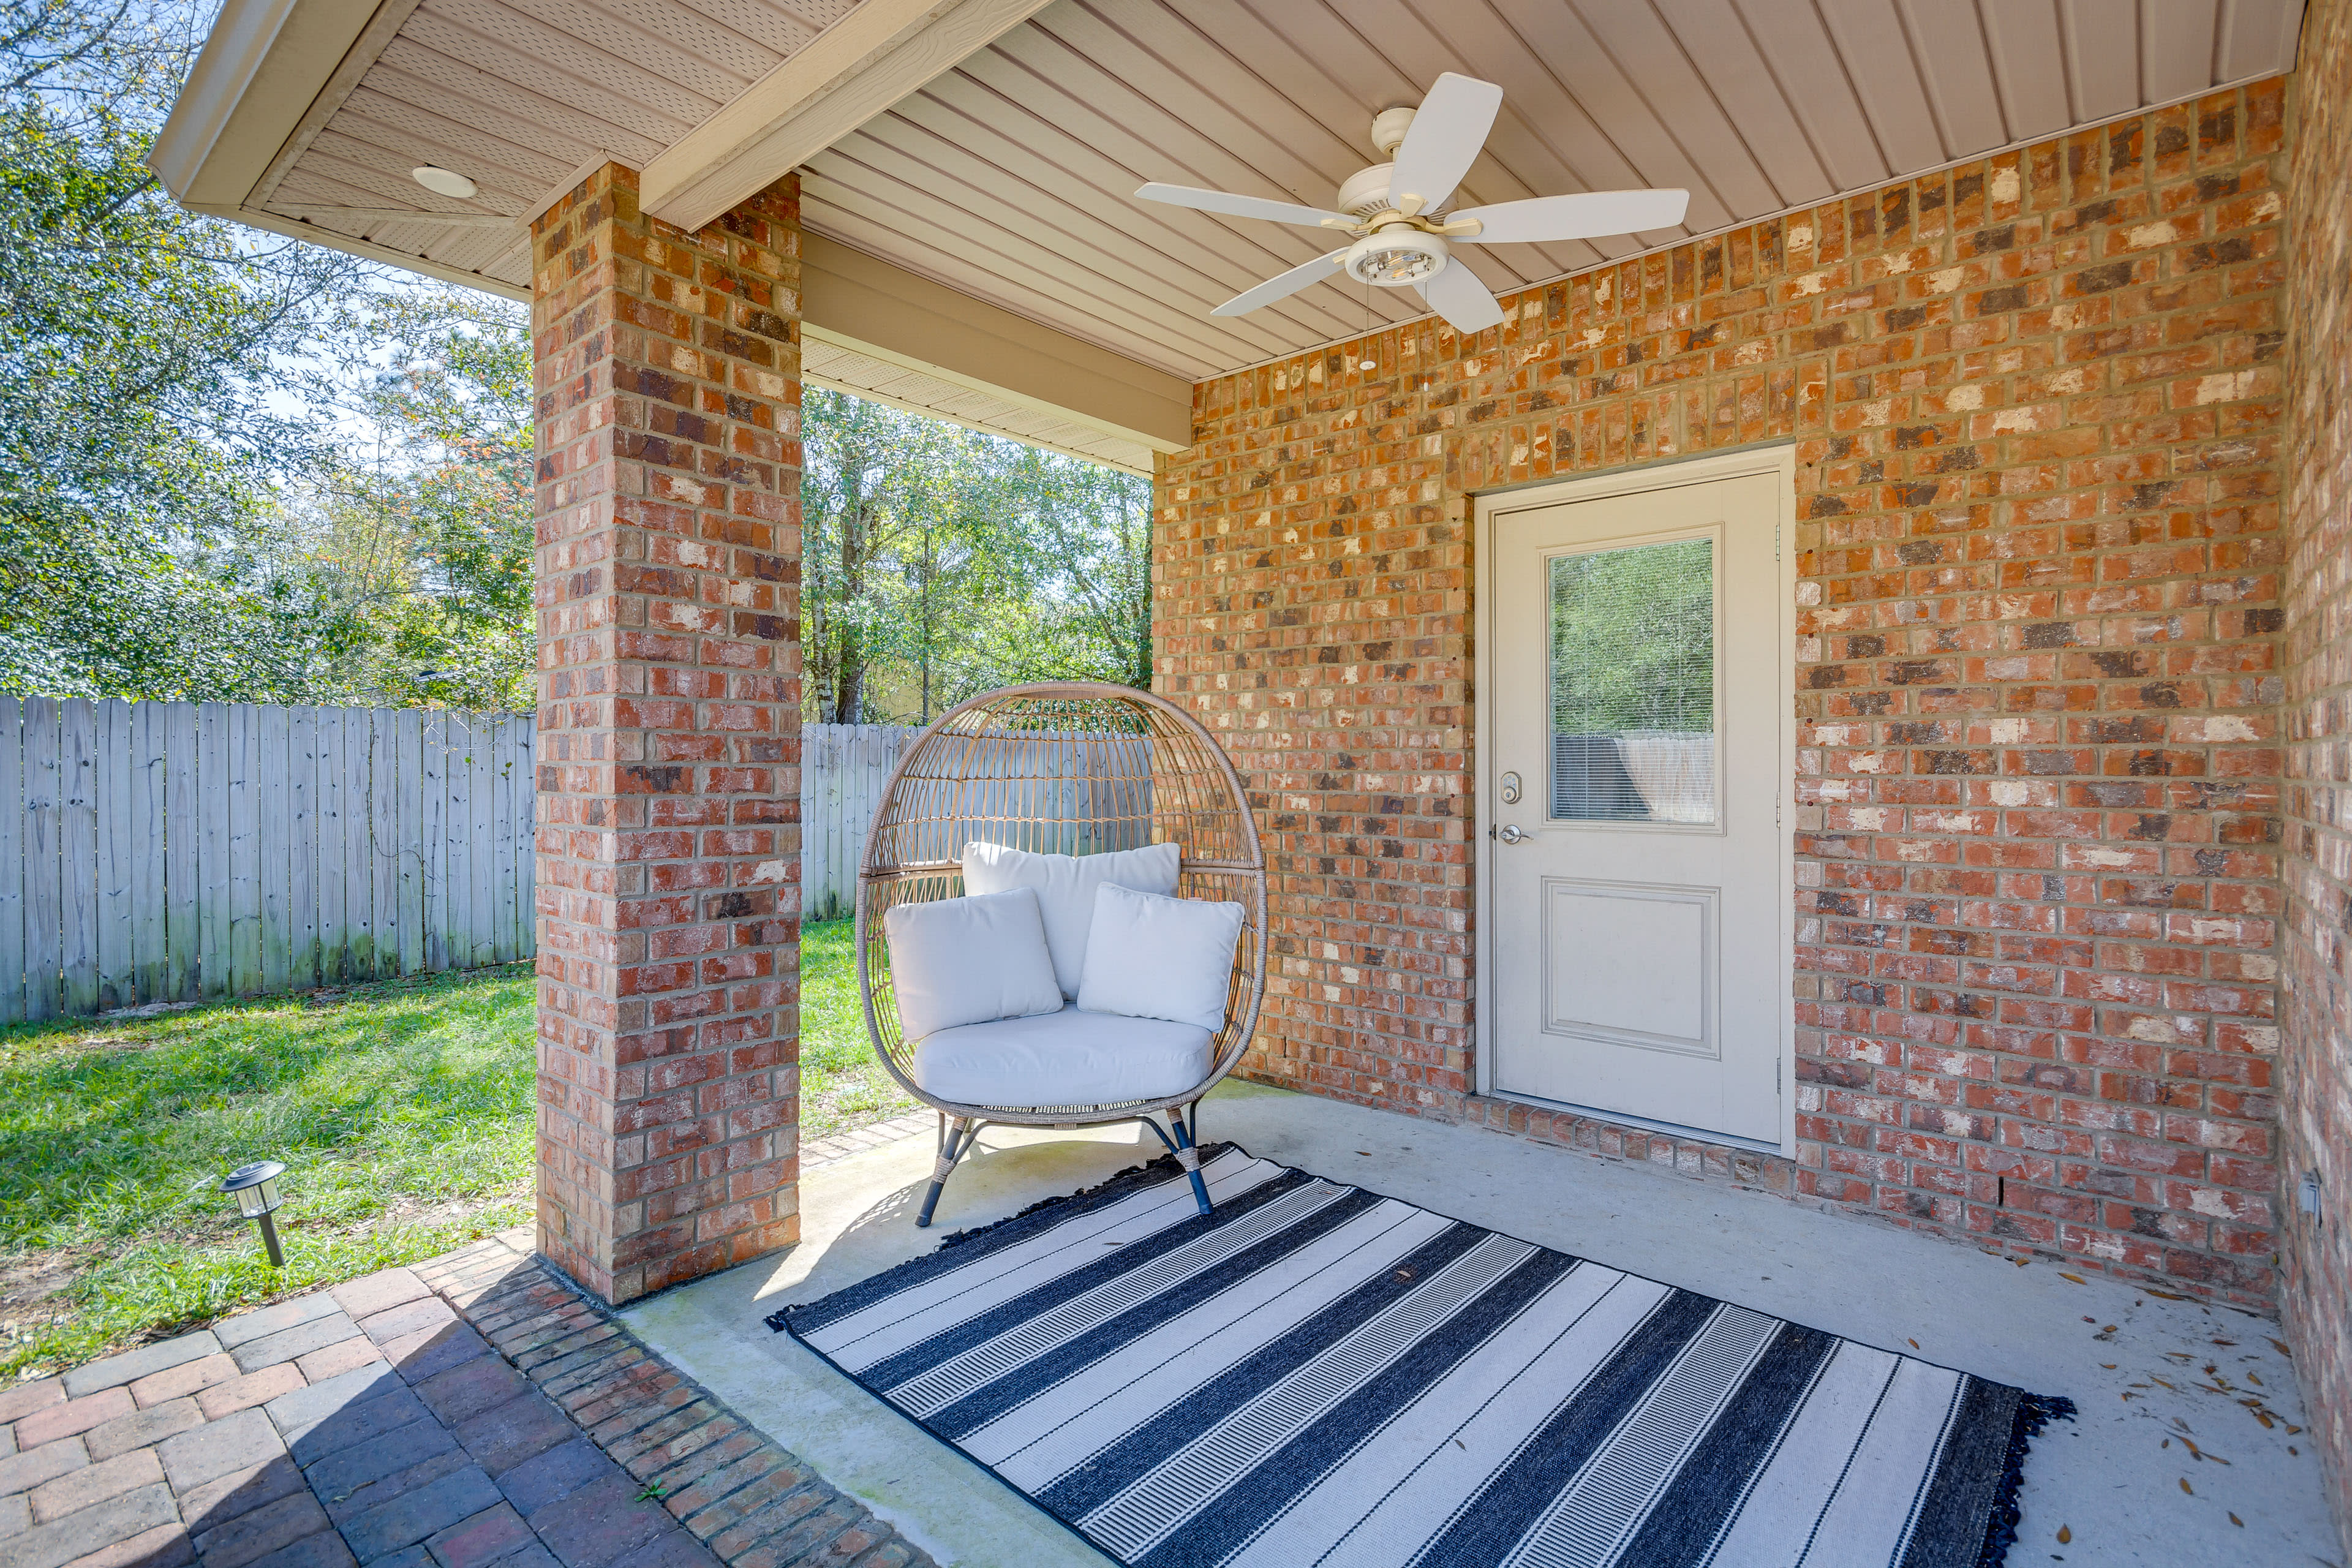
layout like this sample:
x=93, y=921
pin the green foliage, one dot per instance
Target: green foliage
x=424, y=535
x=140, y=451
x=404, y=1112
x=938, y=564
x=238, y=467
x=1632, y=639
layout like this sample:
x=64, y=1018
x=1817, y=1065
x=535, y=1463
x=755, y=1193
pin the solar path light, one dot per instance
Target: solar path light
x=255, y=1187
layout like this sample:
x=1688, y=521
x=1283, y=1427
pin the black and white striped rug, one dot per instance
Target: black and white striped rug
x=1317, y=1374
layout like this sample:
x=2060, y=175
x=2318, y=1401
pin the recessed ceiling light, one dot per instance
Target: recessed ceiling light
x=444, y=182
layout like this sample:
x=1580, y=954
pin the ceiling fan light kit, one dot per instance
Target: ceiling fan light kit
x=1394, y=256
x=1397, y=211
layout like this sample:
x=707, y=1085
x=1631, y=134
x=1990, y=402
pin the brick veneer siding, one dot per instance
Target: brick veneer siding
x=2035, y=401
x=668, y=563
x=2317, y=1014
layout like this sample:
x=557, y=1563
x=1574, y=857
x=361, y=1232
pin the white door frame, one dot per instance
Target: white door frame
x=1490, y=509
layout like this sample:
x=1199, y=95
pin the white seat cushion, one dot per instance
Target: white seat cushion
x=1149, y=957
x=964, y=961
x=1066, y=887
x=1067, y=1057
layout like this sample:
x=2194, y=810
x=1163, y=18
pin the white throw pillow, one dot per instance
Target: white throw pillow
x=1066, y=887
x=968, y=961
x=1150, y=957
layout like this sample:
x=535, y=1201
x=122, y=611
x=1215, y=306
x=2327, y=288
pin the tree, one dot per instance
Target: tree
x=424, y=522
x=139, y=345
x=892, y=509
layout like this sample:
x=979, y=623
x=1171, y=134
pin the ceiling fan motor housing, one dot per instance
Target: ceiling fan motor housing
x=1395, y=255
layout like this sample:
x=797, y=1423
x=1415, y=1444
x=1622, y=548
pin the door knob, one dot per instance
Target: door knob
x=1509, y=834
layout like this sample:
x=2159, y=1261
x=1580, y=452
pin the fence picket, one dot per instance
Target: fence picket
x=43, y=889
x=117, y=821
x=78, y=854
x=302, y=848
x=179, y=811
x=215, y=915
x=12, y=860
x=149, y=847
x=334, y=934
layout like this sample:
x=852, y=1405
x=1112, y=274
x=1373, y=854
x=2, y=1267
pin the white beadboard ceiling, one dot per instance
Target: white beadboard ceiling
x=1011, y=177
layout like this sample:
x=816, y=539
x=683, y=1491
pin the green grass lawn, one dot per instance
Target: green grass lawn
x=842, y=1086
x=402, y=1111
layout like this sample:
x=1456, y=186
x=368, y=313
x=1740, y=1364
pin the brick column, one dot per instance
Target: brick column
x=668, y=564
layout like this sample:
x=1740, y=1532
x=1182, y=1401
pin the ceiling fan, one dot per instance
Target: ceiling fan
x=1395, y=210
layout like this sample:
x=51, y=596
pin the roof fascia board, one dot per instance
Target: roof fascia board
x=352, y=245
x=262, y=66
x=847, y=74
x=884, y=311
x=908, y=406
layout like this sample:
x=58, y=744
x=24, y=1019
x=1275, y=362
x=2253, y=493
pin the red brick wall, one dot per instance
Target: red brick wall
x=2035, y=401
x=2317, y=1016
x=668, y=568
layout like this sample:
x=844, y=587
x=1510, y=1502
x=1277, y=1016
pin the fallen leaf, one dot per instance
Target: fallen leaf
x=1914, y=1344
x=2280, y=1346
x=1460, y=1445
x=2108, y=1364
x=2168, y=1295
x=2263, y=1416
x=2187, y=1488
x=2235, y=1519
x=2254, y=1378
x=2020, y=1262
x=2292, y=1430
x=2225, y=1341
x=2065, y=1535
x=2078, y=1278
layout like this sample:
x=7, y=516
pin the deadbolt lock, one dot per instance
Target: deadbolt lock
x=1510, y=789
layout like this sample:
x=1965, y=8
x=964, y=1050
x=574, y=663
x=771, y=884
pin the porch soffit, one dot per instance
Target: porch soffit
x=1005, y=164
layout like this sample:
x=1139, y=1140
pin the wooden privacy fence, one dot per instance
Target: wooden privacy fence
x=180, y=851
x=843, y=770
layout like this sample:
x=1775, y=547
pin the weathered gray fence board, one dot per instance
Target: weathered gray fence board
x=77, y=846
x=12, y=864
x=169, y=851
x=843, y=770
x=182, y=815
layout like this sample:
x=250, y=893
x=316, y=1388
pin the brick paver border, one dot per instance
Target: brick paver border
x=476, y=1411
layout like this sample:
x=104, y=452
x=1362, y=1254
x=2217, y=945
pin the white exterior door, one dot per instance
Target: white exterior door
x=1638, y=711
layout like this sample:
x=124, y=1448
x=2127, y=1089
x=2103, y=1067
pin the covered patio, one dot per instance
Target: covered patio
x=2108, y=1477
x=2001, y=352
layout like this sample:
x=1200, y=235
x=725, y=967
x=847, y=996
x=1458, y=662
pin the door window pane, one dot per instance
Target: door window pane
x=1632, y=683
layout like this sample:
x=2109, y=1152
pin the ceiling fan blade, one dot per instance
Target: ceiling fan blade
x=1542, y=218
x=1447, y=132
x=1467, y=305
x=1232, y=206
x=1283, y=287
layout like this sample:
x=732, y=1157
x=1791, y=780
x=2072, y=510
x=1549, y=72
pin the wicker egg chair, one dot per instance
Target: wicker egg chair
x=1068, y=768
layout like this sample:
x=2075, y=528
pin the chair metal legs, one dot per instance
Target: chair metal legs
x=1186, y=1154
x=958, y=1137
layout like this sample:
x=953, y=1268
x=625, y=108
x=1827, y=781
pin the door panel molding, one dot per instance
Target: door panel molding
x=1487, y=513
x=1615, y=921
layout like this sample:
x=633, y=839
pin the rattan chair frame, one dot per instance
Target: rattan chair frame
x=1194, y=799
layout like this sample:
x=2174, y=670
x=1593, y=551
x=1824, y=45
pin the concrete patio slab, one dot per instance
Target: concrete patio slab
x=2186, y=1450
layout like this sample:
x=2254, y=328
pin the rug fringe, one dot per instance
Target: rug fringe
x=1164, y=1168
x=2034, y=1411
